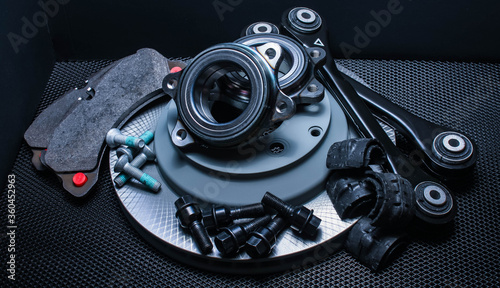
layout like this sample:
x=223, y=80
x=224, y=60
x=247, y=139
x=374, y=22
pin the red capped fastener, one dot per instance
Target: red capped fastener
x=175, y=69
x=79, y=179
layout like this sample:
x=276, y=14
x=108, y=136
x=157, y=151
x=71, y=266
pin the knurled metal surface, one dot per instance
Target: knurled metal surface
x=69, y=242
x=155, y=212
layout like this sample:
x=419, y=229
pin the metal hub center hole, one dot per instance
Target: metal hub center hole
x=454, y=142
x=262, y=28
x=225, y=94
x=435, y=194
x=306, y=16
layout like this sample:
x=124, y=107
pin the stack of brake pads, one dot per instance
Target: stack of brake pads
x=68, y=136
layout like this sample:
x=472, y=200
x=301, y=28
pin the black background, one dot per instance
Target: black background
x=443, y=30
x=465, y=31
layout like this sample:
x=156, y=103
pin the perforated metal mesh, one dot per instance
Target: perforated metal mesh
x=63, y=241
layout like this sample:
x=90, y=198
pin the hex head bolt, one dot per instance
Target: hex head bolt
x=262, y=240
x=146, y=155
x=222, y=216
x=189, y=215
x=123, y=165
x=232, y=238
x=300, y=218
x=115, y=138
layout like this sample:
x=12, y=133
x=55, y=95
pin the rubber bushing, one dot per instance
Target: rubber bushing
x=304, y=19
x=374, y=246
x=355, y=153
x=395, y=205
x=452, y=148
x=259, y=28
x=352, y=194
x=434, y=203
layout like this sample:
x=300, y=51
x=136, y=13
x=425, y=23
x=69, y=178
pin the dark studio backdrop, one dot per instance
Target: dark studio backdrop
x=37, y=33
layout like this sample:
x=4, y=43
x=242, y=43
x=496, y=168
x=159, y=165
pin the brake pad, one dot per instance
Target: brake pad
x=76, y=125
x=41, y=130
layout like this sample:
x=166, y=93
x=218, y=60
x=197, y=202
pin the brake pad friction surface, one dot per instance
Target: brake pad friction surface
x=78, y=140
x=41, y=130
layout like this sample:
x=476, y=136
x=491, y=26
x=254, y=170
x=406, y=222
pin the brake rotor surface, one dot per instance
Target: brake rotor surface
x=295, y=171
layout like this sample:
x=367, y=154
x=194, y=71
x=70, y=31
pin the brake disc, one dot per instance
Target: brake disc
x=290, y=162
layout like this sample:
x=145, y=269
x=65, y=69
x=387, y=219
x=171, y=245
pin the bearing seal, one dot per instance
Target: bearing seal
x=193, y=99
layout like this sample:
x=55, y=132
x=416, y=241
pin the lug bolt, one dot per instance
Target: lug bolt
x=123, y=165
x=262, y=240
x=146, y=155
x=301, y=218
x=148, y=152
x=222, y=216
x=189, y=215
x=232, y=238
x=115, y=138
x=122, y=178
x=146, y=136
x=122, y=150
